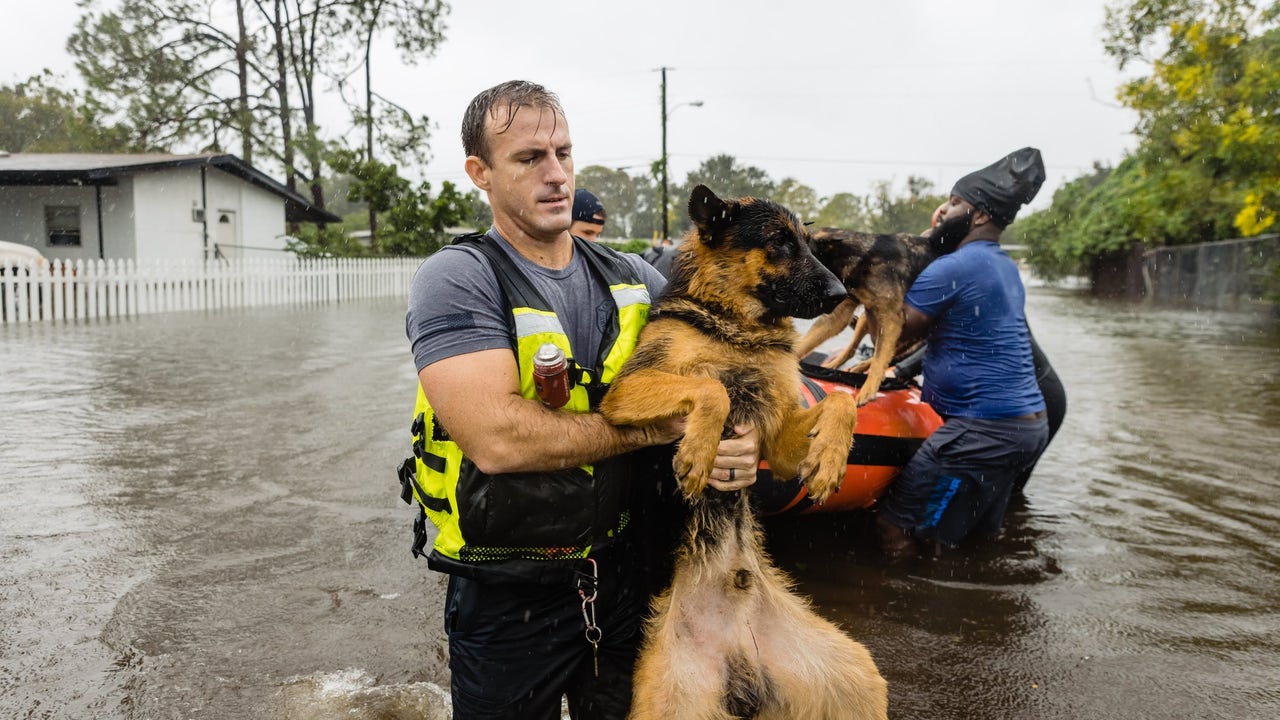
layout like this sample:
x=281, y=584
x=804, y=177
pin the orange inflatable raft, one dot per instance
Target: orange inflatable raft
x=889, y=431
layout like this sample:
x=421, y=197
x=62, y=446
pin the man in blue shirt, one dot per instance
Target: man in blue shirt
x=978, y=370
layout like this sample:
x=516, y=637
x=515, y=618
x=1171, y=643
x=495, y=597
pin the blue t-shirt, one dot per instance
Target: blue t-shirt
x=978, y=362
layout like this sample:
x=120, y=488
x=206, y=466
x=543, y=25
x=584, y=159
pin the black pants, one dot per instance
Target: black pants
x=1055, y=402
x=516, y=649
x=959, y=481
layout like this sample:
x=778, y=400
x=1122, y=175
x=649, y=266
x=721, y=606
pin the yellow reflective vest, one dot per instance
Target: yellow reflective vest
x=528, y=525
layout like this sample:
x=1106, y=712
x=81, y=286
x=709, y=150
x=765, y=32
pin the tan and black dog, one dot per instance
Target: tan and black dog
x=877, y=271
x=728, y=638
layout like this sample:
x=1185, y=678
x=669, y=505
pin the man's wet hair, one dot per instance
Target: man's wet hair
x=511, y=95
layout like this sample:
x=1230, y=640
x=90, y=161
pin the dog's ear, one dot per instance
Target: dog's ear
x=709, y=213
x=824, y=239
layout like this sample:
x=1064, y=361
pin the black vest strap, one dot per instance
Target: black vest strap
x=516, y=288
x=612, y=270
x=520, y=292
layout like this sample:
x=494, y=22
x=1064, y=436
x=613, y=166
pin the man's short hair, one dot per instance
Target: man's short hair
x=512, y=95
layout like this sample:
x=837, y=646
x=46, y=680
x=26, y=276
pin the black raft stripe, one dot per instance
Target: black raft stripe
x=877, y=450
x=883, y=450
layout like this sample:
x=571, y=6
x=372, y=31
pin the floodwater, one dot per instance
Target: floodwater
x=200, y=519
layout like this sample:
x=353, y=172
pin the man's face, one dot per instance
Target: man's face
x=954, y=225
x=529, y=179
x=586, y=230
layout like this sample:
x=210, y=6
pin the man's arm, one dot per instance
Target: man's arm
x=477, y=398
x=915, y=326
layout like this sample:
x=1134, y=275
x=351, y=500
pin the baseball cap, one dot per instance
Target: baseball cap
x=586, y=206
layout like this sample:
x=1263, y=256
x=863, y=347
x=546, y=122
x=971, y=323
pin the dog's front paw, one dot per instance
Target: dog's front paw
x=824, y=468
x=692, y=466
x=868, y=393
x=827, y=459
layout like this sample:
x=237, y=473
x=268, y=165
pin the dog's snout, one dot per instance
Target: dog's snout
x=835, y=293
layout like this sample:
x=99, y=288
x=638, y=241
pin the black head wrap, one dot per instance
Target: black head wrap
x=1004, y=186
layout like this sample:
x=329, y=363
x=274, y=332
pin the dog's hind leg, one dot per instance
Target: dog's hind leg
x=817, y=672
x=888, y=320
x=826, y=327
x=698, y=660
x=859, y=332
x=647, y=396
x=676, y=679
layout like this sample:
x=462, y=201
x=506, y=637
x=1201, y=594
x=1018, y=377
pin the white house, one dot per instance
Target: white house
x=146, y=206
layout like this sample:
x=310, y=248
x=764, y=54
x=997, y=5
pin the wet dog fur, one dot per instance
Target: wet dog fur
x=877, y=271
x=728, y=638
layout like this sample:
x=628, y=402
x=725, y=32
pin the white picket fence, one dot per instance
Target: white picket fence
x=98, y=289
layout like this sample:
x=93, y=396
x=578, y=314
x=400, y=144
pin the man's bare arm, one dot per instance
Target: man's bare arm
x=476, y=397
x=915, y=326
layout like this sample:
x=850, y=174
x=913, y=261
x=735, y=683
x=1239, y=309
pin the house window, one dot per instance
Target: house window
x=62, y=223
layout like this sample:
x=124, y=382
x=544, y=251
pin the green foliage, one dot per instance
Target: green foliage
x=328, y=241
x=244, y=76
x=1057, y=245
x=636, y=246
x=411, y=221
x=160, y=63
x=417, y=29
x=801, y=199
x=1209, y=150
x=909, y=213
x=478, y=215
x=628, y=201
x=37, y=116
x=1207, y=165
x=883, y=210
x=726, y=178
x=845, y=210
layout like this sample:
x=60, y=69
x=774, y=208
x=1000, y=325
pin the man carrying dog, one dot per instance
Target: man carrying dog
x=533, y=493
x=978, y=369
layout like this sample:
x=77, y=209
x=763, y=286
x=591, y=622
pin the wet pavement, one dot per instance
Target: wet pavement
x=200, y=520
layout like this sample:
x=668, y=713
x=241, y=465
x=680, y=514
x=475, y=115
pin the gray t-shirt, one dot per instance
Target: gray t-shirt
x=456, y=306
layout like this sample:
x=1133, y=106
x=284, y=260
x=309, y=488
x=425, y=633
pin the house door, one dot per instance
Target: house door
x=226, y=240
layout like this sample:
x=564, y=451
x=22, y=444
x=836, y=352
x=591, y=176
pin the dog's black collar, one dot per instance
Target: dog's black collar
x=707, y=319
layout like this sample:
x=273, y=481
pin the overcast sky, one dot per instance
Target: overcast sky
x=837, y=94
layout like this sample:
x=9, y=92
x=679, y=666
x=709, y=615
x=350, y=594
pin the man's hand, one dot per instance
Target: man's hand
x=938, y=212
x=736, y=460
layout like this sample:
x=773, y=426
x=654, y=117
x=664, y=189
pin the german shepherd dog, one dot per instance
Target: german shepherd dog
x=877, y=271
x=728, y=639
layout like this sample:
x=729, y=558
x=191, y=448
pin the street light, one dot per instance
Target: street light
x=665, y=114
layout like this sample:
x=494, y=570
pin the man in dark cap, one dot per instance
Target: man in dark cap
x=588, y=215
x=979, y=373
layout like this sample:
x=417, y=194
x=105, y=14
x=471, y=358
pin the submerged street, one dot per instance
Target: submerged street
x=200, y=519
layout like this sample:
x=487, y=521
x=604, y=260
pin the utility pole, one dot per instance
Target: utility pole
x=665, y=233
